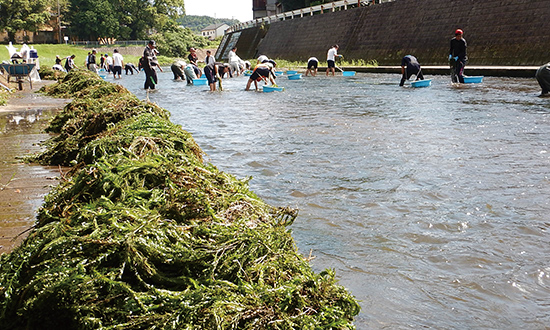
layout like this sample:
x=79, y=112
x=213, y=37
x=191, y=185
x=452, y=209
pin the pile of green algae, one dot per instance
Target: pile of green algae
x=142, y=234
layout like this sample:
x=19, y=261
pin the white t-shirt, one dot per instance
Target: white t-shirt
x=332, y=54
x=117, y=59
x=313, y=59
x=210, y=61
x=232, y=57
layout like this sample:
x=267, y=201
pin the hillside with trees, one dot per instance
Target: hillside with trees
x=197, y=23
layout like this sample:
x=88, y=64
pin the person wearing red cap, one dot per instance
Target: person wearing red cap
x=458, y=56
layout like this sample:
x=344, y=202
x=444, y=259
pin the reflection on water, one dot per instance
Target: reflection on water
x=22, y=186
x=431, y=204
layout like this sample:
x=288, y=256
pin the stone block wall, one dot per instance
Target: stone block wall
x=498, y=32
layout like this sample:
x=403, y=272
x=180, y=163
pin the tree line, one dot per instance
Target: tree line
x=105, y=21
x=92, y=19
x=197, y=23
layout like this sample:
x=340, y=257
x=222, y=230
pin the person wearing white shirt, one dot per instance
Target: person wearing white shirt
x=118, y=63
x=108, y=63
x=210, y=70
x=234, y=61
x=312, y=64
x=331, y=58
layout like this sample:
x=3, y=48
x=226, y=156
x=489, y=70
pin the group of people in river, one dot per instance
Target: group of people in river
x=264, y=70
x=110, y=64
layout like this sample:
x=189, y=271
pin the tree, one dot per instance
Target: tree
x=18, y=15
x=197, y=23
x=92, y=19
x=135, y=17
x=121, y=19
x=176, y=41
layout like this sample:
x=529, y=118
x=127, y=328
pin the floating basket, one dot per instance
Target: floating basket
x=248, y=73
x=421, y=83
x=291, y=72
x=295, y=76
x=473, y=80
x=348, y=73
x=200, y=82
x=269, y=89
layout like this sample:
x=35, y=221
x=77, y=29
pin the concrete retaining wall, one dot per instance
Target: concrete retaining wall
x=498, y=32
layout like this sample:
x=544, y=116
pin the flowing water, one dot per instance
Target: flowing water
x=431, y=204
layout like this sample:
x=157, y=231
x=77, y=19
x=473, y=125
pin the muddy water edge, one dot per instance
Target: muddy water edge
x=23, y=186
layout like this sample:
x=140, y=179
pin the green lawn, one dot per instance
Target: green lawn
x=47, y=53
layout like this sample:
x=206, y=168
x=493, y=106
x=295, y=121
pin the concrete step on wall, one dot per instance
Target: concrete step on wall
x=494, y=71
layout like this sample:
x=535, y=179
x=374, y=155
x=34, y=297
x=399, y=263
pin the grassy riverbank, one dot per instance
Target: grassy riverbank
x=143, y=234
x=47, y=53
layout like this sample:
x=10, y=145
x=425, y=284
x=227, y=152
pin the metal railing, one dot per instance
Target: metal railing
x=308, y=11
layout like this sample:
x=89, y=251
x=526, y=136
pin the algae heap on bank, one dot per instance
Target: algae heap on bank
x=142, y=234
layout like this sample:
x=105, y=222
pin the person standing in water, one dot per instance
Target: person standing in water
x=148, y=63
x=210, y=70
x=118, y=63
x=332, y=55
x=458, y=56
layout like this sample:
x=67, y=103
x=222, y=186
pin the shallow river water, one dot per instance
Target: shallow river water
x=431, y=204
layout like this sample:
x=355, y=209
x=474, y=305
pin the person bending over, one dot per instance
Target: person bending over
x=409, y=67
x=262, y=71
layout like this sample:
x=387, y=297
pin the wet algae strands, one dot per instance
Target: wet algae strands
x=142, y=234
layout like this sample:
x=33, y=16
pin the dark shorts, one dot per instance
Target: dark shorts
x=412, y=69
x=312, y=64
x=117, y=70
x=331, y=64
x=259, y=72
x=210, y=75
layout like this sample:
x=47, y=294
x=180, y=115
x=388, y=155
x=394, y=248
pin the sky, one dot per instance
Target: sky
x=236, y=9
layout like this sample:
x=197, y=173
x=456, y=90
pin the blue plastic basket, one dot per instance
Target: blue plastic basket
x=269, y=89
x=295, y=76
x=348, y=73
x=291, y=72
x=473, y=80
x=421, y=83
x=200, y=82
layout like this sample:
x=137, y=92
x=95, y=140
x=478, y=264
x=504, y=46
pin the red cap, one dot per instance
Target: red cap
x=458, y=31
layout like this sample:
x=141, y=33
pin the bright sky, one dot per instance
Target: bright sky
x=236, y=9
